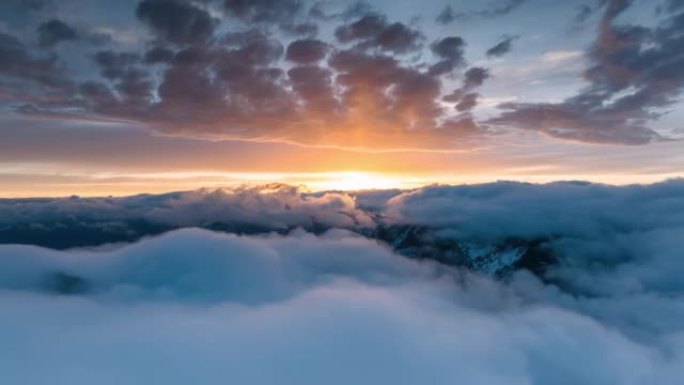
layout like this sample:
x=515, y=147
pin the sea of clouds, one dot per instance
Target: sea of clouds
x=334, y=306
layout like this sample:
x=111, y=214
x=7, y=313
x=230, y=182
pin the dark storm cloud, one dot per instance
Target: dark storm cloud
x=374, y=31
x=634, y=71
x=501, y=48
x=55, y=31
x=177, y=21
x=306, y=51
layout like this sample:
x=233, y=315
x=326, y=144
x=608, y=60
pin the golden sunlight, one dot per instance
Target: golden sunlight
x=354, y=180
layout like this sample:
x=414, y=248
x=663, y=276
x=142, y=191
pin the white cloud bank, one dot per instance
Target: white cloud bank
x=275, y=207
x=199, y=307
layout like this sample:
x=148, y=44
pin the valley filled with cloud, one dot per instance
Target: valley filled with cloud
x=502, y=283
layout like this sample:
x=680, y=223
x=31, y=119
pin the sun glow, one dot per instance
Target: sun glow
x=352, y=180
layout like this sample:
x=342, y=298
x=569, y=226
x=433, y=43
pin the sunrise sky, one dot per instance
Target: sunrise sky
x=392, y=192
x=102, y=97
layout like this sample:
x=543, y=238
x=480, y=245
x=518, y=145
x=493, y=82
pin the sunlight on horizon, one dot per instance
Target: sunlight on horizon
x=355, y=180
x=127, y=184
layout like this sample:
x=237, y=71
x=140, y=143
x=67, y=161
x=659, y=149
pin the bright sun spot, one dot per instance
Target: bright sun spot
x=348, y=181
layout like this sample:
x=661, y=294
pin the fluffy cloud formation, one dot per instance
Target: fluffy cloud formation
x=306, y=51
x=206, y=76
x=319, y=74
x=491, y=284
x=176, y=21
x=571, y=209
x=70, y=222
x=495, y=229
x=197, y=306
x=547, y=229
x=373, y=31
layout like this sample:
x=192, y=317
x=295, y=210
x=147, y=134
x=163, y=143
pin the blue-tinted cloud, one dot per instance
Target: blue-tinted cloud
x=194, y=305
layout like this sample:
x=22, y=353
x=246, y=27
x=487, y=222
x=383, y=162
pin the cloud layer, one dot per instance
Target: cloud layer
x=488, y=284
x=195, y=305
x=71, y=222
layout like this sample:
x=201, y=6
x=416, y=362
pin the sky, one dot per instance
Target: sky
x=338, y=191
x=115, y=98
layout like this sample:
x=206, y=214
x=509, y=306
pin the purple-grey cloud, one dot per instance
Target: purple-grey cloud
x=307, y=51
x=264, y=73
x=177, y=21
x=55, y=31
x=634, y=71
x=263, y=10
x=501, y=48
x=450, y=51
x=374, y=31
